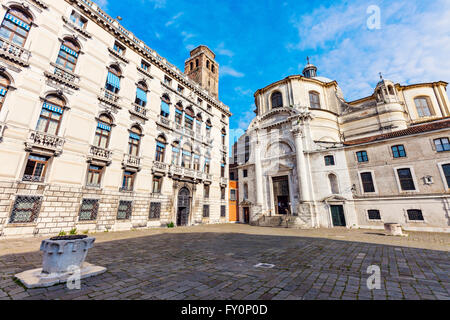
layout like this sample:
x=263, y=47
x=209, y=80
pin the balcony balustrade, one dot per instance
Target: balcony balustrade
x=63, y=76
x=139, y=111
x=14, y=52
x=131, y=161
x=101, y=154
x=224, y=181
x=109, y=97
x=165, y=122
x=32, y=178
x=46, y=141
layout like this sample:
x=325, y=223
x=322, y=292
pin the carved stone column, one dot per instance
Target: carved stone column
x=301, y=166
x=258, y=174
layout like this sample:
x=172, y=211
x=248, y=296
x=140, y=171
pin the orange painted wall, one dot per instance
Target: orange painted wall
x=233, y=205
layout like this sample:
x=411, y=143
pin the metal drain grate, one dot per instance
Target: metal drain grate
x=264, y=265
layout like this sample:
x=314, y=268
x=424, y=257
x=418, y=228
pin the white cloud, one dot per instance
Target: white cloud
x=229, y=71
x=221, y=50
x=412, y=45
x=243, y=92
x=245, y=118
x=157, y=4
x=103, y=4
x=174, y=19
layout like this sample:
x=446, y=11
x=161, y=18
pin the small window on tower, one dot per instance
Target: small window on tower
x=207, y=64
x=212, y=68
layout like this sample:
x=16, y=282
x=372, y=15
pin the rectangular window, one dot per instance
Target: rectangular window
x=178, y=116
x=362, y=156
x=88, y=209
x=415, y=215
x=206, y=191
x=398, y=151
x=222, y=193
x=155, y=210
x=119, y=48
x=374, y=214
x=367, y=182
x=442, y=144
x=94, y=176
x=157, y=182
x=25, y=209
x=145, y=65
x=128, y=181
x=206, y=211
x=245, y=173
x=35, y=168
x=124, y=210
x=446, y=170
x=206, y=165
x=223, y=211
x=78, y=20
x=232, y=176
x=329, y=160
x=233, y=195
x=406, y=179
x=167, y=81
x=180, y=89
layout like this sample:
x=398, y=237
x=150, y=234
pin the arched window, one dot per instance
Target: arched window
x=277, y=100
x=222, y=168
x=186, y=157
x=175, y=153
x=141, y=94
x=4, y=85
x=113, y=79
x=16, y=26
x=160, y=148
x=333, y=183
x=68, y=55
x=224, y=136
x=207, y=64
x=179, y=113
x=198, y=123
x=245, y=191
x=51, y=115
x=191, y=65
x=247, y=148
x=391, y=90
x=207, y=163
x=197, y=161
x=189, y=118
x=134, y=141
x=314, y=100
x=423, y=106
x=165, y=109
x=103, y=131
x=208, y=128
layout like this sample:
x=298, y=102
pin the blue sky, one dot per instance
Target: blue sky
x=258, y=42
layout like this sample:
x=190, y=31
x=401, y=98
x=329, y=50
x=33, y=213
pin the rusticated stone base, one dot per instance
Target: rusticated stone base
x=36, y=279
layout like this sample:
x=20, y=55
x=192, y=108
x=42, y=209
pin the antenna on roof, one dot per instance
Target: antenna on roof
x=381, y=76
x=307, y=59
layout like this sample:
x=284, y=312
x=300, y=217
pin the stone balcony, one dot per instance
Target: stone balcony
x=63, y=76
x=186, y=172
x=109, y=97
x=130, y=161
x=224, y=181
x=32, y=178
x=98, y=154
x=116, y=54
x=139, y=111
x=42, y=141
x=14, y=52
x=164, y=122
x=160, y=167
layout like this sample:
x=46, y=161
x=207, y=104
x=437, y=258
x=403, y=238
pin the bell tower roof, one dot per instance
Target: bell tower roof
x=310, y=70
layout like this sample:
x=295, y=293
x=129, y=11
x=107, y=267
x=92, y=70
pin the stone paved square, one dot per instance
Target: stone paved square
x=218, y=262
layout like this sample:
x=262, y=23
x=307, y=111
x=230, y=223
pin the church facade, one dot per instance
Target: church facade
x=99, y=132
x=311, y=159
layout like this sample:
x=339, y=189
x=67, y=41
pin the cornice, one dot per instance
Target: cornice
x=120, y=33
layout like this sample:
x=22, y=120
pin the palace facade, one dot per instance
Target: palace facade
x=311, y=159
x=98, y=132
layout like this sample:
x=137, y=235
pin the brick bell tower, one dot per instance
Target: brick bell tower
x=203, y=69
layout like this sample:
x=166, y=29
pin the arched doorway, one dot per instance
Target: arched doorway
x=183, y=207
